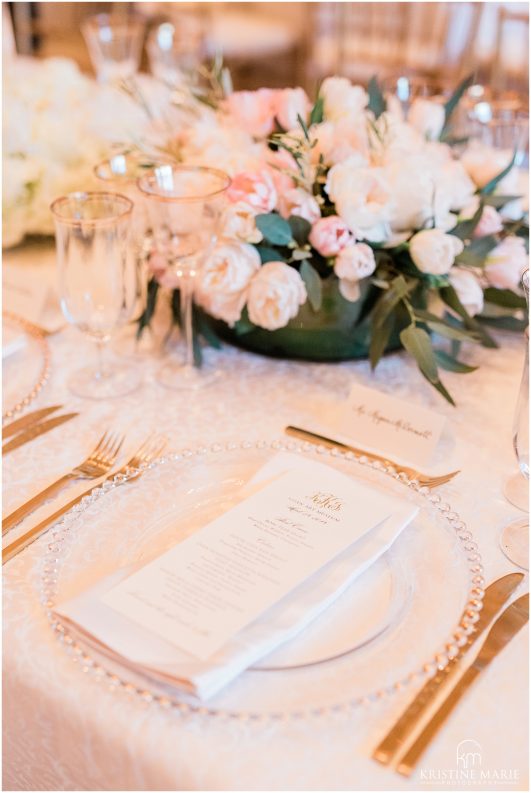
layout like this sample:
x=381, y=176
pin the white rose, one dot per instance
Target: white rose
x=434, y=252
x=468, y=289
x=342, y=99
x=506, y=264
x=337, y=141
x=427, y=117
x=275, y=294
x=362, y=197
x=226, y=275
x=299, y=202
x=239, y=222
x=355, y=262
x=412, y=187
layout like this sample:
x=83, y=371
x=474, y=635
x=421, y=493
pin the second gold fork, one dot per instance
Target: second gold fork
x=97, y=464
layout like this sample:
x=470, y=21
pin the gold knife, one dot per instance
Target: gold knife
x=496, y=595
x=34, y=432
x=504, y=629
x=28, y=420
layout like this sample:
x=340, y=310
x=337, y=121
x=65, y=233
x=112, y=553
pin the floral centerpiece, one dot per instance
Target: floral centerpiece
x=351, y=230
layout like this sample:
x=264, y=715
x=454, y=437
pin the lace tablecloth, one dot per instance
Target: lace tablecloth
x=64, y=731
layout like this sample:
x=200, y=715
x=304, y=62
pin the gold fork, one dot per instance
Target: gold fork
x=423, y=479
x=97, y=464
x=148, y=451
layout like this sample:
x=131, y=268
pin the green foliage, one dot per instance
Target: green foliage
x=275, y=229
x=380, y=336
x=505, y=298
x=498, y=201
x=449, y=296
x=317, y=114
x=377, y=102
x=151, y=303
x=466, y=228
x=300, y=229
x=418, y=344
x=454, y=100
x=313, y=285
x=451, y=364
x=268, y=254
x=476, y=252
x=398, y=290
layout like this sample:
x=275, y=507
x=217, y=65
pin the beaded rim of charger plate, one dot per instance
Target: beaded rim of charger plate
x=44, y=375
x=448, y=650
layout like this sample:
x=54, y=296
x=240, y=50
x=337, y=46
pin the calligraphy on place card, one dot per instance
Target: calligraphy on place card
x=382, y=423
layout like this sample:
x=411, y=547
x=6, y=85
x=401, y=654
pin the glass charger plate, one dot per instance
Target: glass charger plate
x=401, y=619
x=26, y=365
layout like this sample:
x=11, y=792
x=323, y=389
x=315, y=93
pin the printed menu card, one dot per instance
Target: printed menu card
x=201, y=593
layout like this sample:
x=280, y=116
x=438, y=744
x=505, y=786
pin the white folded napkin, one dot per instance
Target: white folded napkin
x=139, y=649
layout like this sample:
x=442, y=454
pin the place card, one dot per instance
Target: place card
x=382, y=423
x=202, y=592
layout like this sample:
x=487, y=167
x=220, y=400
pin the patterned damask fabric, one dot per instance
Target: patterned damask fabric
x=64, y=731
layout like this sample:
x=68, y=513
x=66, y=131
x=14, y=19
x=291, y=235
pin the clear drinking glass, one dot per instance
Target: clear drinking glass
x=515, y=536
x=97, y=282
x=115, y=45
x=120, y=174
x=175, y=51
x=507, y=129
x=184, y=205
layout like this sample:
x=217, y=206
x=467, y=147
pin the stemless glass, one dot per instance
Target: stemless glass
x=115, y=45
x=515, y=536
x=97, y=281
x=184, y=205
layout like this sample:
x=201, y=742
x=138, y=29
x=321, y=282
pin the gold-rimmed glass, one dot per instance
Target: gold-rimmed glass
x=114, y=42
x=184, y=206
x=97, y=282
x=515, y=537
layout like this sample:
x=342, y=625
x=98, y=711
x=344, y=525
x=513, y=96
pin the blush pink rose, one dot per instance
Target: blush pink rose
x=158, y=266
x=256, y=190
x=330, y=235
x=275, y=295
x=290, y=103
x=490, y=222
x=254, y=111
x=299, y=202
x=355, y=262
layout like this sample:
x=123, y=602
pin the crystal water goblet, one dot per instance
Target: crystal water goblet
x=97, y=282
x=184, y=205
x=114, y=43
x=515, y=537
x=175, y=51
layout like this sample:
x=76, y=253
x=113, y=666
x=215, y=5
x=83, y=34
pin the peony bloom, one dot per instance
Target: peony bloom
x=255, y=189
x=275, y=295
x=226, y=275
x=329, y=235
x=238, y=223
x=362, y=198
x=427, y=117
x=434, y=252
x=254, y=111
x=355, y=262
x=468, y=289
x=506, y=264
x=290, y=103
x=299, y=202
x=490, y=222
x=342, y=99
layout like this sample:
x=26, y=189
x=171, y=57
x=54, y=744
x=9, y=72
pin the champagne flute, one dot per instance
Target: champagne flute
x=515, y=537
x=184, y=205
x=97, y=282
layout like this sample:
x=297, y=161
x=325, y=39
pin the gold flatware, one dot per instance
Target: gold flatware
x=496, y=595
x=504, y=629
x=35, y=431
x=423, y=479
x=134, y=468
x=98, y=463
x=28, y=420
